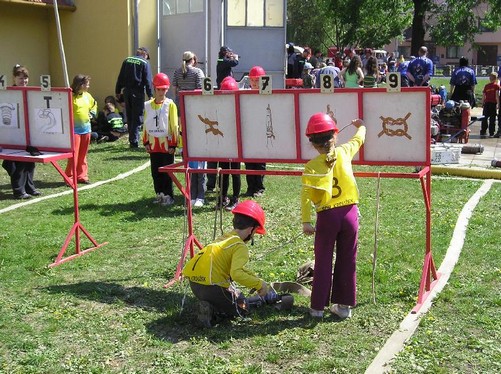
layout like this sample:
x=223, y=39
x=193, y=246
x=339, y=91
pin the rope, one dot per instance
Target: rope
x=273, y=249
x=376, y=226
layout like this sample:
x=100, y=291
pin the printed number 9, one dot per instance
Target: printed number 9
x=393, y=80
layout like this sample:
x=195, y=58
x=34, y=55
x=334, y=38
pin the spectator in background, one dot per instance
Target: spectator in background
x=316, y=59
x=371, y=77
x=307, y=77
x=255, y=183
x=21, y=173
x=133, y=80
x=301, y=60
x=84, y=108
x=420, y=69
x=225, y=63
x=353, y=76
x=463, y=82
x=391, y=63
x=111, y=122
x=187, y=78
x=365, y=58
x=331, y=70
x=490, y=99
x=402, y=69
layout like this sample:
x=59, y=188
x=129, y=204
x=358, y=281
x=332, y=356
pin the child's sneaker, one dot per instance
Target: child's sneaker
x=167, y=200
x=342, y=311
x=199, y=203
x=316, y=313
x=192, y=202
x=205, y=314
x=232, y=204
x=159, y=198
x=222, y=204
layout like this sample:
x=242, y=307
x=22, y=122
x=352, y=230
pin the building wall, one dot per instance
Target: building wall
x=97, y=37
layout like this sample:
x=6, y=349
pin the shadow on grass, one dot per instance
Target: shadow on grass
x=138, y=210
x=174, y=326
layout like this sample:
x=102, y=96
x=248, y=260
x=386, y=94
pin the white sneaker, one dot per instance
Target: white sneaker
x=159, y=198
x=199, y=203
x=167, y=200
x=192, y=202
x=316, y=313
x=342, y=311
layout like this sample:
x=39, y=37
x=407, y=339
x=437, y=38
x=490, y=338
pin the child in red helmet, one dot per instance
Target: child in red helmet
x=255, y=183
x=213, y=271
x=329, y=184
x=160, y=136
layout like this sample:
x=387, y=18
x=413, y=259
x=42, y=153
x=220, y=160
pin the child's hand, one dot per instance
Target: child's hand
x=357, y=123
x=308, y=228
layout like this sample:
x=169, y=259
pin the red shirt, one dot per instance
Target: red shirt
x=490, y=92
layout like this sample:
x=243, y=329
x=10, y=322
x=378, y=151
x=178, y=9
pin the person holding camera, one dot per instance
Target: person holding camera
x=225, y=63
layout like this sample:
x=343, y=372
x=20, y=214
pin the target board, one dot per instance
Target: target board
x=247, y=126
x=38, y=118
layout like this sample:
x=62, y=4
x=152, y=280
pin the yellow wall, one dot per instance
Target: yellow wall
x=24, y=40
x=97, y=37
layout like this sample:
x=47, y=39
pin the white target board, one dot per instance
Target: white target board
x=246, y=126
x=38, y=118
x=12, y=129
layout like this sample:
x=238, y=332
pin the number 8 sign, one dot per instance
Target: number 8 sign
x=393, y=82
x=326, y=83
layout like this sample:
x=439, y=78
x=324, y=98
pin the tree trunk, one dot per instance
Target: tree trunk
x=419, y=24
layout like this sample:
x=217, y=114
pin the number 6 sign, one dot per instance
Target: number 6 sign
x=393, y=82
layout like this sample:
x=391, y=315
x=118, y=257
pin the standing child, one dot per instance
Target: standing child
x=21, y=173
x=160, y=135
x=329, y=183
x=490, y=100
x=308, y=78
x=84, y=109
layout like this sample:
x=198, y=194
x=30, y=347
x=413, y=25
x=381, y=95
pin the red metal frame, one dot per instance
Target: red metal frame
x=429, y=275
x=53, y=155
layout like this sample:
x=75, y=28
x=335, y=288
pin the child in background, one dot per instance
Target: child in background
x=111, y=123
x=308, y=79
x=372, y=75
x=160, y=136
x=21, y=173
x=490, y=100
x=198, y=183
x=329, y=183
x=84, y=109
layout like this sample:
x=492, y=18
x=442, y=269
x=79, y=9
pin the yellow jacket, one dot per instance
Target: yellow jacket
x=221, y=262
x=330, y=187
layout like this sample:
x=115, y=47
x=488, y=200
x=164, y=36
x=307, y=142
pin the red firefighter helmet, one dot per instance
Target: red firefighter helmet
x=320, y=122
x=252, y=209
x=161, y=80
x=256, y=71
x=229, y=84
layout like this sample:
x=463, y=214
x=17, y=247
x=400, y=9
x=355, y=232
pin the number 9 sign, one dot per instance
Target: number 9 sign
x=393, y=82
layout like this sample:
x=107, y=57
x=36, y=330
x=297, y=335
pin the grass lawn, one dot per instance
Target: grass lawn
x=108, y=312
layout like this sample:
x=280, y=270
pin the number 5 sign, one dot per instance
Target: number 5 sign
x=393, y=82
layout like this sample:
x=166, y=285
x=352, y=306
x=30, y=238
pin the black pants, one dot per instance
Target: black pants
x=489, y=111
x=21, y=176
x=161, y=181
x=224, y=179
x=255, y=183
x=134, y=108
x=220, y=298
x=211, y=178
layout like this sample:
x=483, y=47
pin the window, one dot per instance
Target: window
x=453, y=52
x=255, y=13
x=171, y=7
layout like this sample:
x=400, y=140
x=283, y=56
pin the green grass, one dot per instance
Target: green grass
x=108, y=312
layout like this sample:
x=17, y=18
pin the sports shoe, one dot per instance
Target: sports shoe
x=159, y=198
x=167, y=200
x=22, y=196
x=192, y=202
x=232, y=204
x=497, y=135
x=205, y=314
x=342, y=311
x=316, y=313
x=199, y=203
x=35, y=193
x=103, y=138
x=222, y=203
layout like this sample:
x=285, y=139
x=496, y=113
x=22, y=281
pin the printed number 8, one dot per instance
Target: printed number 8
x=335, y=186
x=327, y=81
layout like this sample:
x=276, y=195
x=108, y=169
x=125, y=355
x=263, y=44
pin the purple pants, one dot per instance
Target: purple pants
x=339, y=227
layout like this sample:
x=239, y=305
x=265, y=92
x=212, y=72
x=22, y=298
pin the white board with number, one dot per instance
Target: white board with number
x=247, y=126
